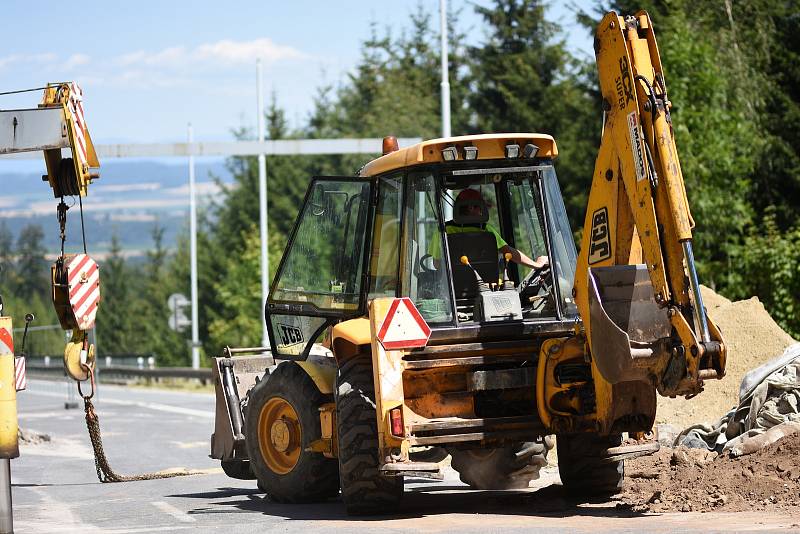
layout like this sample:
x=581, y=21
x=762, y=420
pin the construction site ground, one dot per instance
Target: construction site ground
x=55, y=488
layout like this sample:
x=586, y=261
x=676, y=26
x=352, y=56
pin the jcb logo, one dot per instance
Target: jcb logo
x=624, y=84
x=290, y=335
x=600, y=239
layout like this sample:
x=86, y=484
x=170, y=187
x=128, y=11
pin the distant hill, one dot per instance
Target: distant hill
x=128, y=199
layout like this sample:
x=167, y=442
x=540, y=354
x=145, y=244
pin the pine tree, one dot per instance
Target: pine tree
x=6, y=260
x=158, y=282
x=31, y=266
x=114, y=320
x=525, y=80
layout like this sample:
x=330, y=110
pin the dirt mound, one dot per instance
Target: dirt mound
x=752, y=338
x=692, y=480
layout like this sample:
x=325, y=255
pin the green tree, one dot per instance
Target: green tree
x=31, y=266
x=114, y=319
x=6, y=259
x=157, y=283
x=769, y=266
x=524, y=79
x=772, y=40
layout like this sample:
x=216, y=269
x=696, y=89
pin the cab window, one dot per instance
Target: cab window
x=323, y=262
x=425, y=279
x=385, y=253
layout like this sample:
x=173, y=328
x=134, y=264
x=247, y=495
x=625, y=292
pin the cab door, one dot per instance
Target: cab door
x=321, y=277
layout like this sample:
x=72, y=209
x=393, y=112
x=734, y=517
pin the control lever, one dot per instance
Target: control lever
x=483, y=287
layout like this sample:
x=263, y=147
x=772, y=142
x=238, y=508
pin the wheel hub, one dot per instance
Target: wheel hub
x=282, y=434
x=279, y=435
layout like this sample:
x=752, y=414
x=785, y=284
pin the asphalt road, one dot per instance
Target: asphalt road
x=55, y=488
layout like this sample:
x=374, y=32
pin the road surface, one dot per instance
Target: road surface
x=55, y=488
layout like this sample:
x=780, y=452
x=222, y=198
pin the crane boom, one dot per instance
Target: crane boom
x=57, y=123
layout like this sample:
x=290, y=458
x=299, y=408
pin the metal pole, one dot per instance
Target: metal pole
x=445, y=78
x=6, y=513
x=446, y=132
x=262, y=198
x=193, y=254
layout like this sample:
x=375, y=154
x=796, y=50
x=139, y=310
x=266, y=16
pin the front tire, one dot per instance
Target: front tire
x=364, y=489
x=502, y=468
x=583, y=467
x=282, y=421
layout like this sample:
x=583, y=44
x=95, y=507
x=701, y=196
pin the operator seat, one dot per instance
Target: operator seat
x=479, y=245
x=481, y=249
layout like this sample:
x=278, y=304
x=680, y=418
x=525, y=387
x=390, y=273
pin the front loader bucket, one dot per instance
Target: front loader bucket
x=627, y=327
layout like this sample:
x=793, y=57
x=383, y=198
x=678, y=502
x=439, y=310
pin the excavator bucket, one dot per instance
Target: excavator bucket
x=628, y=328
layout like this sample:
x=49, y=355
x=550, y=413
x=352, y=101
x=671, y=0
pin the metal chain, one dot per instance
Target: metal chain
x=104, y=471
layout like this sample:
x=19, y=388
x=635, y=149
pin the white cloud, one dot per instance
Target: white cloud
x=225, y=52
x=76, y=60
x=26, y=58
x=167, y=56
x=247, y=51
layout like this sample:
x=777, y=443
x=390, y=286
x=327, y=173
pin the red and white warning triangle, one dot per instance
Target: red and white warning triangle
x=403, y=327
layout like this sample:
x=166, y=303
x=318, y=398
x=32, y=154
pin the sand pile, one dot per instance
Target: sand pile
x=752, y=338
x=692, y=480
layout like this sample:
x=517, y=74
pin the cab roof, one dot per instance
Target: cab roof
x=490, y=146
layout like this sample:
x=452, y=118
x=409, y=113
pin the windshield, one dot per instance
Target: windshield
x=565, y=256
x=497, y=213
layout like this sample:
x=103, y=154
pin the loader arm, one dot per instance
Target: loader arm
x=636, y=286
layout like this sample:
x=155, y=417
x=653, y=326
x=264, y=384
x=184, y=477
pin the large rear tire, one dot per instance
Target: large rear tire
x=364, y=490
x=282, y=421
x=583, y=467
x=512, y=467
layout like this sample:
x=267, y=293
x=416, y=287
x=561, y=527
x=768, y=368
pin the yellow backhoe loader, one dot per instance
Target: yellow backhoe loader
x=434, y=304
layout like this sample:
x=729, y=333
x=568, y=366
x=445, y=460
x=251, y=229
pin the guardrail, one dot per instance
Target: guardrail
x=126, y=373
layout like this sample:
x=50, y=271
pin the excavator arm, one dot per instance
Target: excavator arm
x=636, y=285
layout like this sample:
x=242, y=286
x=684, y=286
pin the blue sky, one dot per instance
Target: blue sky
x=148, y=68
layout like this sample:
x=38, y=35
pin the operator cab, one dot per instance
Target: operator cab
x=473, y=243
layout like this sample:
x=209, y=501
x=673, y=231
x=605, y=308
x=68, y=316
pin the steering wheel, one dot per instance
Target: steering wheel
x=536, y=279
x=424, y=268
